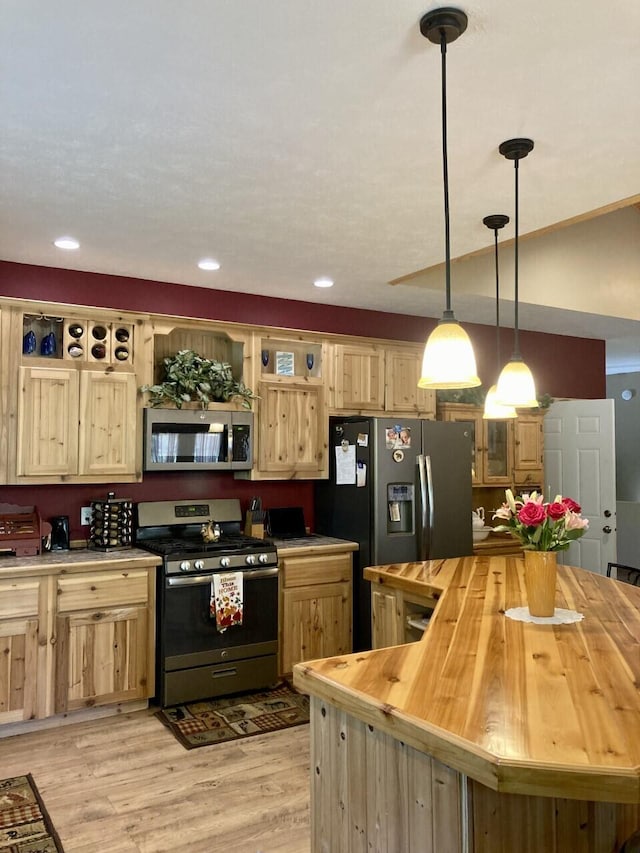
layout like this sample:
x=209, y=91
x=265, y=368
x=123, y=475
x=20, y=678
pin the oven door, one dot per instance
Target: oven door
x=195, y=659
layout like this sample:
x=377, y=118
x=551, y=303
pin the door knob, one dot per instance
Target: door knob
x=606, y=529
x=607, y=513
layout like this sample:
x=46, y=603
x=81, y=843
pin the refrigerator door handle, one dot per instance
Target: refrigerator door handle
x=425, y=488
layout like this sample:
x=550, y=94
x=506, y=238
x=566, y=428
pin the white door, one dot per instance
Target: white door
x=579, y=462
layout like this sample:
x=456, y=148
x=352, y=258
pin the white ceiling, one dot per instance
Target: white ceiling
x=291, y=140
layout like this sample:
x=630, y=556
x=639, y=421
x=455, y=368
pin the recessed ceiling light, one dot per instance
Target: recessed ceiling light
x=66, y=243
x=208, y=264
x=323, y=282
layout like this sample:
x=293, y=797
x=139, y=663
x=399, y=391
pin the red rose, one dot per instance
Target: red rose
x=532, y=514
x=571, y=505
x=556, y=510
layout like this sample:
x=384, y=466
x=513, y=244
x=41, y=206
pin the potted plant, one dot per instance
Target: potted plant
x=189, y=377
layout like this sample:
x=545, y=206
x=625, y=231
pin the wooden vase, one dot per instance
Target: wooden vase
x=540, y=569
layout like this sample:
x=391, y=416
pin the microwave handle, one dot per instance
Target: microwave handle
x=230, y=442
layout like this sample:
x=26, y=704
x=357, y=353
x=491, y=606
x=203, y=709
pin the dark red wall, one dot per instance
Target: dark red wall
x=563, y=367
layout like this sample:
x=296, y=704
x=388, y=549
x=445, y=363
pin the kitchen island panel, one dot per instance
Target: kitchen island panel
x=374, y=792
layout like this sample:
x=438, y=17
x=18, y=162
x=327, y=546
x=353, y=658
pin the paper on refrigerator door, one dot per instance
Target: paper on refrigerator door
x=345, y=464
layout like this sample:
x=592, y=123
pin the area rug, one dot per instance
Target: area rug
x=240, y=716
x=25, y=826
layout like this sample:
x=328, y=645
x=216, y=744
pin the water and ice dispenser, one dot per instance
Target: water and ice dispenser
x=400, y=505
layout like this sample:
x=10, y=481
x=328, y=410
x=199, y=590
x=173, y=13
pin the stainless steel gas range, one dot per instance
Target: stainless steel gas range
x=196, y=658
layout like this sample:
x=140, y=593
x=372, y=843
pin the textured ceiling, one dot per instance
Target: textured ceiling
x=291, y=140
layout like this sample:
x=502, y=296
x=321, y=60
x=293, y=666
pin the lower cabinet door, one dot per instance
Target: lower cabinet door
x=316, y=623
x=101, y=657
x=18, y=669
x=386, y=617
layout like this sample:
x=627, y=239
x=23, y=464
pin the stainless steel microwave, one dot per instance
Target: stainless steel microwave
x=197, y=440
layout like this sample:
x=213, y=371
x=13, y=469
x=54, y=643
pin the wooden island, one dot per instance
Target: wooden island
x=488, y=735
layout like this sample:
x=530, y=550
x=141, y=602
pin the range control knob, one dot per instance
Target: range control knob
x=250, y=559
x=185, y=565
x=199, y=564
x=263, y=558
x=225, y=562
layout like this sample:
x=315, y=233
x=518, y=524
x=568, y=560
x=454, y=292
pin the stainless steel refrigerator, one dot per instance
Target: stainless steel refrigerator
x=401, y=489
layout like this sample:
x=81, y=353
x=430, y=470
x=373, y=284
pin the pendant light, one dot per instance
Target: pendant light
x=515, y=384
x=492, y=409
x=448, y=360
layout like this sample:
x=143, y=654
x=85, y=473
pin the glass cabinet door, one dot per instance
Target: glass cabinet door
x=497, y=452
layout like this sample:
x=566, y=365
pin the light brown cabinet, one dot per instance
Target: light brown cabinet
x=402, y=372
x=70, y=395
x=75, y=635
x=19, y=623
x=48, y=422
x=291, y=413
x=74, y=422
x=504, y=453
x=376, y=378
x=398, y=616
x=292, y=429
x=74, y=414
x=359, y=378
x=102, y=645
x=315, y=606
x=528, y=450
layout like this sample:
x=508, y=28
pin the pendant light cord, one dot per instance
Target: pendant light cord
x=498, y=360
x=445, y=170
x=516, y=333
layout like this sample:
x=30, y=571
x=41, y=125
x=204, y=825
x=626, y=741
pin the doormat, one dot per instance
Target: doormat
x=243, y=715
x=25, y=825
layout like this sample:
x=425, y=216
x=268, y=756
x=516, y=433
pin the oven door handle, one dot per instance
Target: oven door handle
x=207, y=579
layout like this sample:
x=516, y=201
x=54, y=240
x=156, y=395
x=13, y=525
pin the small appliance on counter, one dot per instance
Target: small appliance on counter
x=60, y=533
x=22, y=531
x=111, y=523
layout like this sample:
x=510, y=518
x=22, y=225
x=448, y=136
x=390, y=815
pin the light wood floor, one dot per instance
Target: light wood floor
x=125, y=785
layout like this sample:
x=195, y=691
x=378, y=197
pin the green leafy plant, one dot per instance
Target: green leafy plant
x=189, y=377
x=475, y=396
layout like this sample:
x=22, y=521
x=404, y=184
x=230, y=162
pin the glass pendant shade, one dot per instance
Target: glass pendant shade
x=516, y=386
x=495, y=411
x=448, y=360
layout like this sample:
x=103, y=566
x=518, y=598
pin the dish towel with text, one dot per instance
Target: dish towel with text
x=226, y=605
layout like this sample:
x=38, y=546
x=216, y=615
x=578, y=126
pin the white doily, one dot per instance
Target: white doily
x=560, y=616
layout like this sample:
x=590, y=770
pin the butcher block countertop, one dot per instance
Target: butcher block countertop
x=76, y=560
x=519, y=707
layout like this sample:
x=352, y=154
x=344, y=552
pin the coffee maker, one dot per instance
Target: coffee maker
x=60, y=533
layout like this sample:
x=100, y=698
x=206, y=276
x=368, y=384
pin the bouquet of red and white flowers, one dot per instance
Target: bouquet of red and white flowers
x=541, y=526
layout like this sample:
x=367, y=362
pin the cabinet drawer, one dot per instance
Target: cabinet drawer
x=107, y=589
x=18, y=598
x=304, y=571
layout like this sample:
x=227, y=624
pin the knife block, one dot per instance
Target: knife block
x=254, y=524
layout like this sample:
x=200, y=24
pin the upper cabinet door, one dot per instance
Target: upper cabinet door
x=292, y=430
x=497, y=452
x=528, y=466
x=107, y=423
x=48, y=422
x=402, y=369
x=359, y=378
